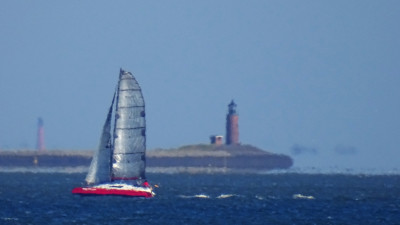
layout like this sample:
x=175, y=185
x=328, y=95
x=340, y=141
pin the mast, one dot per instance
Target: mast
x=128, y=158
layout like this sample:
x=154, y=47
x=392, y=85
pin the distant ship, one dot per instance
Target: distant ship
x=118, y=166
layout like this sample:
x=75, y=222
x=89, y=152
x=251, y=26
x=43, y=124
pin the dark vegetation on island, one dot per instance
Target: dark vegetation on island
x=222, y=156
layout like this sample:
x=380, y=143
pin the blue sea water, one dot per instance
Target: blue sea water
x=45, y=198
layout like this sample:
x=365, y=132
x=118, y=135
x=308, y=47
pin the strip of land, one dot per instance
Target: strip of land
x=189, y=158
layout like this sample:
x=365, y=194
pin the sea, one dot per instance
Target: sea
x=270, y=198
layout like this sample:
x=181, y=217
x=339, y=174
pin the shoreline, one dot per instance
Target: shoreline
x=215, y=171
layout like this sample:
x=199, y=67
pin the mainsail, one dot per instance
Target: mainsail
x=99, y=170
x=129, y=146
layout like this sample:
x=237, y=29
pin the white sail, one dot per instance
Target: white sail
x=121, y=157
x=99, y=170
x=129, y=131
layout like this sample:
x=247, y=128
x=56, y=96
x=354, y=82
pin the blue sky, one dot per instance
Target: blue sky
x=318, y=80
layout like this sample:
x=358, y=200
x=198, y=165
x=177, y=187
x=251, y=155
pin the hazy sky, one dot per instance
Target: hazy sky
x=318, y=80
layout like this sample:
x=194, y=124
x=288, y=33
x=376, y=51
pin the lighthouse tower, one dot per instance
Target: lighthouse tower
x=232, y=125
x=40, y=136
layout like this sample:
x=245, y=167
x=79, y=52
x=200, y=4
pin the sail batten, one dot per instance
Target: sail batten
x=133, y=128
x=132, y=89
x=135, y=106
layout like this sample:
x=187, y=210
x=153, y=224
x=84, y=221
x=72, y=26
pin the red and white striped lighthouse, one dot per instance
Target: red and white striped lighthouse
x=232, y=125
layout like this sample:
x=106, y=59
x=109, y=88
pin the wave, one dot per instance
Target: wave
x=9, y=219
x=300, y=196
x=221, y=196
x=226, y=195
x=195, y=196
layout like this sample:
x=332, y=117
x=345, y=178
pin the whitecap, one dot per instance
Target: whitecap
x=225, y=195
x=300, y=196
x=194, y=196
x=185, y=196
x=259, y=197
x=202, y=196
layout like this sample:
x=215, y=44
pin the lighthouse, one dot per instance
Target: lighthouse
x=40, y=135
x=232, y=125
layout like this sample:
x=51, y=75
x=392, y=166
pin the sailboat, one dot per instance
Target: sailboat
x=118, y=165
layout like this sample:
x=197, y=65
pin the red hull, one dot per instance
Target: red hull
x=102, y=191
